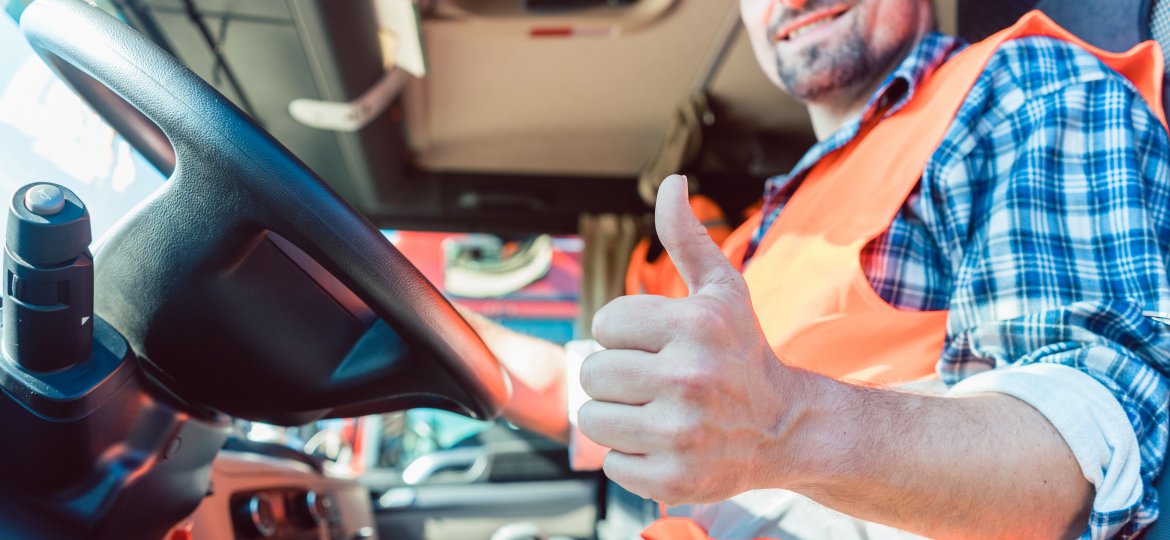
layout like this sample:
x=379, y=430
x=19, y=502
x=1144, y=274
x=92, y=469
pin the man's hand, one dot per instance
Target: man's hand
x=688, y=393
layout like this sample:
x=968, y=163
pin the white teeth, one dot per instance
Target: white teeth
x=804, y=29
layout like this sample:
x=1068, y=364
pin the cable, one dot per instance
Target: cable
x=221, y=64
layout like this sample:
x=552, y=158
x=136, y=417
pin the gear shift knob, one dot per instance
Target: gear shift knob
x=48, y=279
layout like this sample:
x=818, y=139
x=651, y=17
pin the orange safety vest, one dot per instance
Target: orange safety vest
x=813, y=300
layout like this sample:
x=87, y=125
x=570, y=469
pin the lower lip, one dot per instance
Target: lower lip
x=818, y=32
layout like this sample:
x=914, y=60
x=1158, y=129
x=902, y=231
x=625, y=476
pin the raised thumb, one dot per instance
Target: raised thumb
x=698, y=260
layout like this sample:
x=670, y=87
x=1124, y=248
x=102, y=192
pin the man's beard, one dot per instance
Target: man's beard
x=820, y=73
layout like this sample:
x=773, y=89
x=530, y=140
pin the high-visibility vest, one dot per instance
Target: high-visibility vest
x=814, y=302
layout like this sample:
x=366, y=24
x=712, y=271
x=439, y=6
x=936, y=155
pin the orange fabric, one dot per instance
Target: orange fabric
x=671, y=528
x=674, y=529
x=812, y=298
x=659, y=276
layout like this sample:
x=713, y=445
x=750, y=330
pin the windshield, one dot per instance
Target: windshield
x=48, y=134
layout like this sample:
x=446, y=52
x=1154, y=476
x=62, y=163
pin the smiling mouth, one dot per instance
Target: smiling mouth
x=808, y=23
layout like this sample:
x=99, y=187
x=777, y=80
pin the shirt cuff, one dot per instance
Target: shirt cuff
x=1086, y=415
x=584, y=454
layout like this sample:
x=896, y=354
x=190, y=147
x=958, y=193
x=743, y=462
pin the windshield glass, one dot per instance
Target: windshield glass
x=48, y=134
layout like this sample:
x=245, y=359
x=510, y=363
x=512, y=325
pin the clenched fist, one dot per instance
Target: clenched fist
x=688, y=393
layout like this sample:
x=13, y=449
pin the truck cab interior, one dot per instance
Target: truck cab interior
x=261, y=210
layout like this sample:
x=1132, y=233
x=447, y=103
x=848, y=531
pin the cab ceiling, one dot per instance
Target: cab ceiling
x=498, y=99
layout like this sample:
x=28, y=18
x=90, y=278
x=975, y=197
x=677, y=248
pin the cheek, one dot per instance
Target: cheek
x=892, y=23
x=755, y=14
x=765, y=54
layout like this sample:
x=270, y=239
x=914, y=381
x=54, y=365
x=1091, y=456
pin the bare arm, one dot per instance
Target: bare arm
x=986, y=466
x=537, y=370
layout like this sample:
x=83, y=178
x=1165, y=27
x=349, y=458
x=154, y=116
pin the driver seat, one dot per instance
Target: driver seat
x=1113, y=25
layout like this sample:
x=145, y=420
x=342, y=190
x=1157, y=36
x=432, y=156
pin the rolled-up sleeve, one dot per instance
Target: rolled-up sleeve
x=1092, y=422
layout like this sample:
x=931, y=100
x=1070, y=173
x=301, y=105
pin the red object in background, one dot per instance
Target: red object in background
x=358, y=464
x=551, y=31
x=553, y=297
x=182, y=531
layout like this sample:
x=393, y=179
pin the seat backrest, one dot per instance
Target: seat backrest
x=1113, y=25
x=981, y=18
x=1160, y=27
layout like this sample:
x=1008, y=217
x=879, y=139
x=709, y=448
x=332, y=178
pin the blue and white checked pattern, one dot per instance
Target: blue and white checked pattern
x=1042, y=224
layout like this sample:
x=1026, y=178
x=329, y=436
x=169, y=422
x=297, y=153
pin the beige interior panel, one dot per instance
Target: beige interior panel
x=947, y=13
x=576, y=105
x=498, y=100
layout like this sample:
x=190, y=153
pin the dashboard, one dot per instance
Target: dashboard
x=256, y=496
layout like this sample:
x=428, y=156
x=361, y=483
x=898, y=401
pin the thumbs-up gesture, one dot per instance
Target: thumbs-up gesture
x=688, y=394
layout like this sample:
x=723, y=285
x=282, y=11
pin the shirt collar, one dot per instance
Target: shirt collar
x=899, y=86
x=890, y=97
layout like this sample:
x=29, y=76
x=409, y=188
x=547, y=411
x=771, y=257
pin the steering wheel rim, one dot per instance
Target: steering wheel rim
x=231, y=182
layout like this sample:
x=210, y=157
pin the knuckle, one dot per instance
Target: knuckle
x=695, y=231
x=612, y=317
x=673, y=487
x=707, y=316
x=685, y=440
x=681, y=435
x=691, y=384
x=698, y=316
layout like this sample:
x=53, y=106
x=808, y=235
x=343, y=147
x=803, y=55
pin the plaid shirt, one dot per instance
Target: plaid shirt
x=1042, y=224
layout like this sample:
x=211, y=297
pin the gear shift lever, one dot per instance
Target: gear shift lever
x=48, y=279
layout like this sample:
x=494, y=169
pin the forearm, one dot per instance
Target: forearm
x=983, y=466
x=538, y=387
x=537, y=370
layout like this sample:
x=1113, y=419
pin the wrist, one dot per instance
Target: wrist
x=819, y=431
